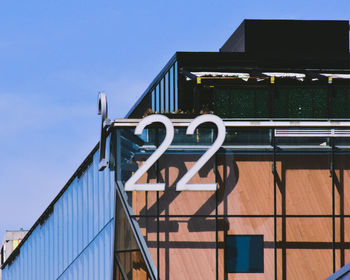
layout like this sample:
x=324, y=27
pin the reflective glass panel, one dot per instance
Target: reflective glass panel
x=166, y=92
x=248, y=136
x=172, y=97
x=128, y=258
x=153, y=100
x=162, y=96
x=175, y=93
x=244, y=253
x=157, y=99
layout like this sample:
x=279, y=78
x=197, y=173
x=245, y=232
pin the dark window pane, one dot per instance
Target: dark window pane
x=280, y=104
x=248, y=136
x=222, y=103
x=340, y=102
x=262, y=99
x=320, y=100
x=300, y=103
x=242, y=102
x=244, y=253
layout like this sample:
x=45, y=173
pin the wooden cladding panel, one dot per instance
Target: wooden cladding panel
x=249, y=190
x=200, y=264
x=280, y=187
x=248, y=226
x=172, y=202
x=307, y=245
x=338, y=264
x=309, y=264
x=347, y=229
x=342, y=182
x=246, y=187
x=186, y=247
x=307, y=185
x=309, y=230
x=347, y=255
x=345, y=185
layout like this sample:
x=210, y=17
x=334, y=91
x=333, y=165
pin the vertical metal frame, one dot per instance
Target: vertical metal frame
x=333, y=202
x=158, y=179
x=274, y=172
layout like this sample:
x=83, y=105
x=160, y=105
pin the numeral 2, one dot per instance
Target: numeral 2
x=183, y=184
x=131, y=184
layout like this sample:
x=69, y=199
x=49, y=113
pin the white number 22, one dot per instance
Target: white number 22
x=182, y=184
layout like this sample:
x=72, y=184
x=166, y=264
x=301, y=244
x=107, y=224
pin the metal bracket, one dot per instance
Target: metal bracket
x=105, y=124
x=188, y=74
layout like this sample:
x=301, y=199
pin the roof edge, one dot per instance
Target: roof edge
x=49, y=209
x=155, y=80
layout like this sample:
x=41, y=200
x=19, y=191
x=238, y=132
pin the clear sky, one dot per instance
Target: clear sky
x=56, y=55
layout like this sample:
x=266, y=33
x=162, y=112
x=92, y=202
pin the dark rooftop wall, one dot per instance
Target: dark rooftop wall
x=292, y=37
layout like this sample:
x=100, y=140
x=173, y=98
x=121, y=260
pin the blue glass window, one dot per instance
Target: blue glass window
x=153, y=100
x=172, y=97
x=175, y=81
x=157, y=99
x=162, y=101
x=166, y=92
x=244, y=254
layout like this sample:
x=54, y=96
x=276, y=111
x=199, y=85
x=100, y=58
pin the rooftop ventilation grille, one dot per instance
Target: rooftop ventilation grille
x=312, y=133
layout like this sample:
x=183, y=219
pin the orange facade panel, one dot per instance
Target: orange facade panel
x=342, y=183
x=306, y=182
x=294, y=205
x=171, y=202
x=309, y=264
x=181, y=252
x=248, y=185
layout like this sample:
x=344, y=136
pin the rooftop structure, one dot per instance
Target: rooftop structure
x=11, y=240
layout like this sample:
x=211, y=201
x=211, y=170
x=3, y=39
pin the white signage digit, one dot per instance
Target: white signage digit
x=131, y=184
x=183, y=184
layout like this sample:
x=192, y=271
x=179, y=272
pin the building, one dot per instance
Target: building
x=259, y=191
x=11, y=240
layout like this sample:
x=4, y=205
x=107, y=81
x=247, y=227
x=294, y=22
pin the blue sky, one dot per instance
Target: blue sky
x=56, y=55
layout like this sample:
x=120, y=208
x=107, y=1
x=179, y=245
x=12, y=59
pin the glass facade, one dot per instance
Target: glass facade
x=284, y=197
x=130, y=263
x=164, y=93
x=73, y=239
